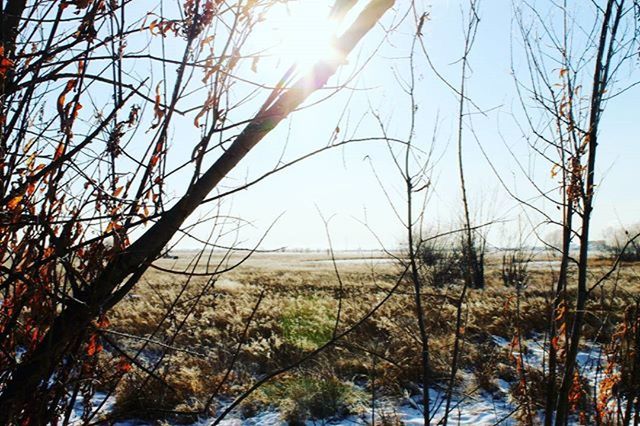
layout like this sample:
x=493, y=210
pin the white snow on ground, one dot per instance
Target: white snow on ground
x=590, y=359
x=482, y=408
x=96, y=401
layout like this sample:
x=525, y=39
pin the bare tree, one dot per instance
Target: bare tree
x=473, y=270
x=85, y=205
x=567, y=137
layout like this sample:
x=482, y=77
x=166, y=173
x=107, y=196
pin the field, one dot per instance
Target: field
x=224, y=332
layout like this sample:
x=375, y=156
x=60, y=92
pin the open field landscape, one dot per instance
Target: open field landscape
x=267, y=315
x=319, y=212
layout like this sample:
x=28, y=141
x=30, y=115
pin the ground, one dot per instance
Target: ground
x=223, y=332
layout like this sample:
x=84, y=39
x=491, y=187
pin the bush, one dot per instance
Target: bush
x=307, y=397
x=145, y=398
x=515, y=269
x=307, y=324
x=439, y=263
x=620, y=238
x=446, y=262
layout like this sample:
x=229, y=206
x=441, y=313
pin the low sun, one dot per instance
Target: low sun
x=302, y=33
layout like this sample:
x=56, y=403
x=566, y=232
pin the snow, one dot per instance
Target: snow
x=96, y=402
x=481, y=408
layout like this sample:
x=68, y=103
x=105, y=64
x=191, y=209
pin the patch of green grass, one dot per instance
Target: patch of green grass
x=308, y=323
x=307, y=397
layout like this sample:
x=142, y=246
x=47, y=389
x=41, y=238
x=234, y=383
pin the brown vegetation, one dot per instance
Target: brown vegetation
x=297, y=313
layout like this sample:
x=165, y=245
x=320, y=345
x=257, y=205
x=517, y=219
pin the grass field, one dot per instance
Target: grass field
x=225, y=332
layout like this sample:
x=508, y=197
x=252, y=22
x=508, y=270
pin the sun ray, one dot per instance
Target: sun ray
x=302, y=33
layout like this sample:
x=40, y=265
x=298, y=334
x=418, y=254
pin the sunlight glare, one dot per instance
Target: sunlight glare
x=302, y=33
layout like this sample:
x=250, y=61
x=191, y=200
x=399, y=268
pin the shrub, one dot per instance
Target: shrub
x=307, y=324
x=515, y=269
x=439, y=263
x=308, y=397
x=620, y=238
x=445, y=262
x=145, y=398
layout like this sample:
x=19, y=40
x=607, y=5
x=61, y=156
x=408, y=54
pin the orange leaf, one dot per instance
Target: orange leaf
x=13, y=203
x=70, y=85
x=59, y=151
x=158, y=110
x=152, y=27
x=118, y=190
x=5, y=63
x=61, y=103
x=124, y=366
x=94, y=345
x=77, y=108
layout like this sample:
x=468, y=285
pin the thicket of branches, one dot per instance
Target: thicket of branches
x=88, y=144
x=105, y=105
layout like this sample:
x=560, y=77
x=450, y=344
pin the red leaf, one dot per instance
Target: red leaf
x=5, y=63
x=124, y=366
x=103, y=322
x=94, y=347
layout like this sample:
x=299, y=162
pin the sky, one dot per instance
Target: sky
x=357, y=187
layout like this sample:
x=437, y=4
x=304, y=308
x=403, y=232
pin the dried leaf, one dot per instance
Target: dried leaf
x=154, y=160
x=123, y=366
x=157, y=109
x=61, y=103
x=82, y=4
x=211, y=102
x=118, y=191
x=76, y=108
x=5, y=63
x=133, y=115
x=103, y=322
x=59, y=151
x=94, y=347
x=13, y=203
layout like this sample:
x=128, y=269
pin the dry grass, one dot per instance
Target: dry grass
x=297, y=314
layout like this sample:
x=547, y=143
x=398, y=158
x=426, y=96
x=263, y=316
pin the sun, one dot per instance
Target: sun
x=301, y=33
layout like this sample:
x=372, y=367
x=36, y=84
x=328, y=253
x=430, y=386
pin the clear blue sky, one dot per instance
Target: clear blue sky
x=341, y=183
